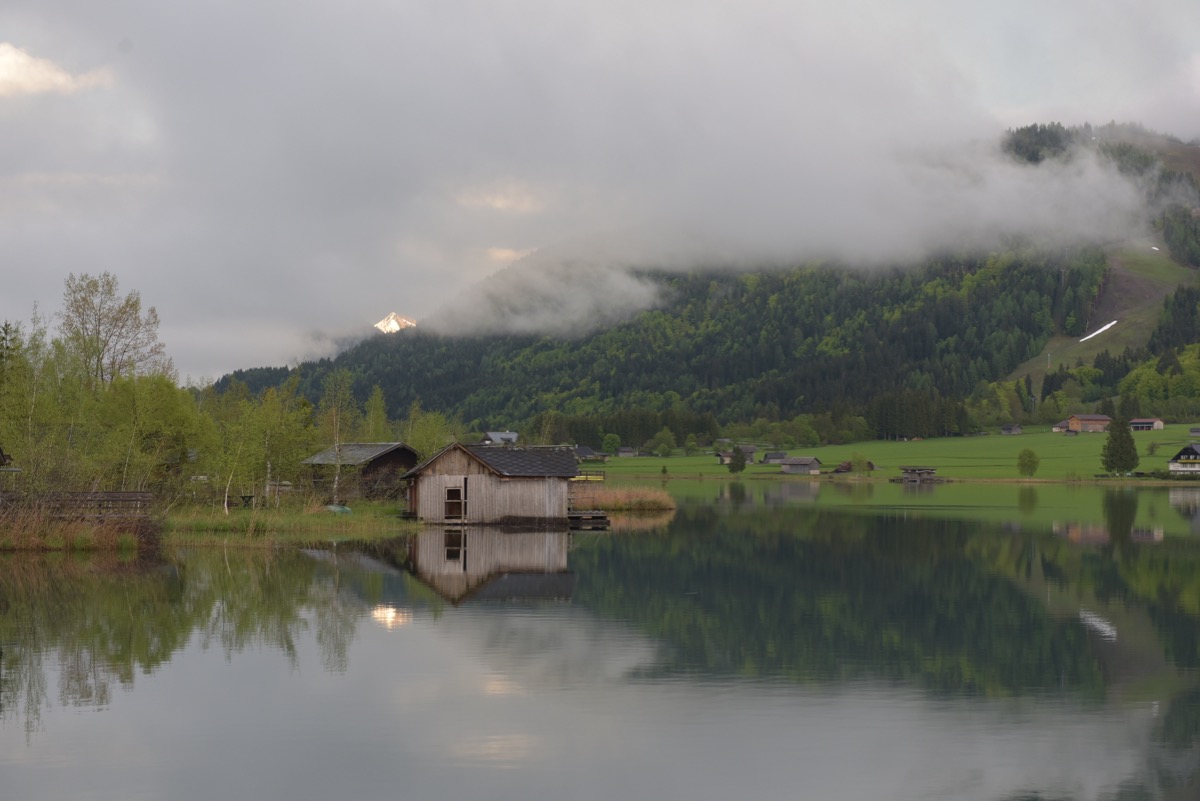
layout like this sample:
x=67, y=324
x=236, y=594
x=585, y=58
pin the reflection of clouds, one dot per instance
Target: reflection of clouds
x=552, y=648
x=498, y=685
x=497, y=750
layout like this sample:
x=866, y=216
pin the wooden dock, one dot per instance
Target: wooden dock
x=587, y=520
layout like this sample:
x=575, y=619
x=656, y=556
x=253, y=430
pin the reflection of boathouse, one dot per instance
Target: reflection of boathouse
x=478, y=563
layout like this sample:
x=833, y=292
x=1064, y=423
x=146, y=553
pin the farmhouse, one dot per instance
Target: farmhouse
x=773, y=457
x=1010, y=429
x=1186, y=462
x=368, y=469
x=1146, y=424
x=801, y=465
x=494, y=486
x=1088, y=423
x=585, y=453
x=725, y=457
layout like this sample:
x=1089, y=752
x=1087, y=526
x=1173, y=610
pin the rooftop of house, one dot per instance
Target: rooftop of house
x=355, y=453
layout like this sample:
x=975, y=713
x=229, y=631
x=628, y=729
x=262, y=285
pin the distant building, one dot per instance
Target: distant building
x=801, y=465
x=918, y=475
x=1146, y=424
x=585, y=453
x=499, y=438
x=1088, y=423
x=1186, y=462
x=773, y=457
x=1010, y=429
x=1061, y=426
x=725, y=457
x=626, y=450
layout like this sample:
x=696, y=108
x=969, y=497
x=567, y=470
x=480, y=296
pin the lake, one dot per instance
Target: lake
x=757, y=644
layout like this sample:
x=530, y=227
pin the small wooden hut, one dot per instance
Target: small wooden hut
x=496, y=486
x=368, y=469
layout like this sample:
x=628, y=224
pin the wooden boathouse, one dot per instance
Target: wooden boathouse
x=505, y=486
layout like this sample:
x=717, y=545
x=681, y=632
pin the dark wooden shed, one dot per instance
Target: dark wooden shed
x=368, y=469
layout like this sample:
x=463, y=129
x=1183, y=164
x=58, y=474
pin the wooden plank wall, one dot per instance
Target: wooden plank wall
x=489, y=498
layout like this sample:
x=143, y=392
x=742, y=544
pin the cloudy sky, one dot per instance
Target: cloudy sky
x=273, y=176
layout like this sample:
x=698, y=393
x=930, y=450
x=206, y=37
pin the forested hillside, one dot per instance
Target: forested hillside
x=739, y=347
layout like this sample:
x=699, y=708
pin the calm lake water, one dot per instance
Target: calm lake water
x=751, y=647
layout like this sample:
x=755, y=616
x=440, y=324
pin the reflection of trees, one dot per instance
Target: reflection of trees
x=1027, y=500
x=811, y=594
x=1120, y=510
x=101, y=621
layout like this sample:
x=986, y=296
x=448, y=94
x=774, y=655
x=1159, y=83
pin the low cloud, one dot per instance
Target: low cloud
x=319, y=165
x=25, y=74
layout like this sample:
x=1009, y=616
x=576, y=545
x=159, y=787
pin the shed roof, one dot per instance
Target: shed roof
x=801, y=460
x=529, y=461
x=356, y=453
x=515, y=462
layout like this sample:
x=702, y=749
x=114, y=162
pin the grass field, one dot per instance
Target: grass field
x=985, y=457
x=1140, y=278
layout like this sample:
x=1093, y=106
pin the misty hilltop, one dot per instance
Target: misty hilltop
x=738, y=338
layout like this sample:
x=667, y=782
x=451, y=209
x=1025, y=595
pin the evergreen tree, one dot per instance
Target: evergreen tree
x=737, y=461
x=1120, y=452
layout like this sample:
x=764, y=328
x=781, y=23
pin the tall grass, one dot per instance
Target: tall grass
x=32, y=528
x=625, y=499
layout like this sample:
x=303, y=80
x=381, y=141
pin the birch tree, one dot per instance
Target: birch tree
x=109, y=335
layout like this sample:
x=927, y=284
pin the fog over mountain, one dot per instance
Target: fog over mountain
x=273, y=177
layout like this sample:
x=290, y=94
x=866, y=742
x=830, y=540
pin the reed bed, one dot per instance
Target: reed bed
x=31, y=528
x=626, y=499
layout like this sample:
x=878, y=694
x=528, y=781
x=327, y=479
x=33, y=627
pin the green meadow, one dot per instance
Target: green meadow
x=1068, y=495
x=986, y=457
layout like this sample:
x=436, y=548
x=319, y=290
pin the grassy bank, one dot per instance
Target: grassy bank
x=298, y=525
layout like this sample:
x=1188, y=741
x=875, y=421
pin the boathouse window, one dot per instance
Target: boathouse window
x=456, y=504
x=454, y=546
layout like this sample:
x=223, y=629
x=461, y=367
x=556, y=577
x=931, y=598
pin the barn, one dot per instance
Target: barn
x=493, y=486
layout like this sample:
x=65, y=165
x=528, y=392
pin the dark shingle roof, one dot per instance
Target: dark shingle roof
x=355, y=453
x=556, y=462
